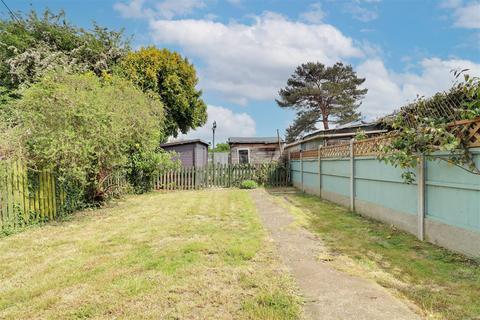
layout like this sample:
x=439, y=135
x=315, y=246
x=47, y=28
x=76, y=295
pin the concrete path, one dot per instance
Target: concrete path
x=329, y=294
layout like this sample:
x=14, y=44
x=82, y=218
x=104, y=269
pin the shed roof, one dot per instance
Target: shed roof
x=259, y=140
x=350, y=127
x=181, y=142
x=347, y=130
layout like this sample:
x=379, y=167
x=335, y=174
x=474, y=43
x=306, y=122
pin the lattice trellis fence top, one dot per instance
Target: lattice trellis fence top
x=336, y=151
x=473, y=133
x=371, y=146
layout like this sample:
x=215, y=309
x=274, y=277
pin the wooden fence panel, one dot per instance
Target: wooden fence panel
x=220, y=176
x=29, y=196
x=23, y=199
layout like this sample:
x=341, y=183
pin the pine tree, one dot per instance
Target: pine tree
x=322, y=94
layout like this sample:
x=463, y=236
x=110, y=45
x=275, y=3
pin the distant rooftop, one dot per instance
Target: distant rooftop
x=343, y=131
x=253, y=140
x=350, y=127
x=180, y=142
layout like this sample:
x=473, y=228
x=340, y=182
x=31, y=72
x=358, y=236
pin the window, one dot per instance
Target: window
x=243, y=156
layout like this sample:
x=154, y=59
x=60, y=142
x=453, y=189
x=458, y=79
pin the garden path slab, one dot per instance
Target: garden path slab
x=329, y=293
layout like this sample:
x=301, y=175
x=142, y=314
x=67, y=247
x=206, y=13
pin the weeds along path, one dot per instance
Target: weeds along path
x=329, y=293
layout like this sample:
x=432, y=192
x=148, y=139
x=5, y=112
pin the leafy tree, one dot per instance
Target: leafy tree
x=34, y=45
x=174, y=79
x=320, y=93
x=84, y=127
x=221, y=147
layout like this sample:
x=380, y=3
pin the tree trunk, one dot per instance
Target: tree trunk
x=325, y=113
x=325, y=122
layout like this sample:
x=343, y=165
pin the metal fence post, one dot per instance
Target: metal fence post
x=352, y=175
x=421, y=197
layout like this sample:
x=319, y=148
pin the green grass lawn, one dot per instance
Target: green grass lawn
x=182, y=255
x=443, y=284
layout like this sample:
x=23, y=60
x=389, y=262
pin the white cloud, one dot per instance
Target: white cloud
x=229, y=124
x=252, y=61
x=465, y=15
x=388, y=90
x=166, y=9
x=210, y=16
x=448, y=4
x=315, y=14
x=468, y=16
x=133, y=9
x=361, y=11
x=172, y=8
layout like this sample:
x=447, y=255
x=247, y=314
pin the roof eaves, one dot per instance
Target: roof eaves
x=182, y=142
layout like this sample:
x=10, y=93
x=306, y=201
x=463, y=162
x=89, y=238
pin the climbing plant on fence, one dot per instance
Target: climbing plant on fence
x=445, y=123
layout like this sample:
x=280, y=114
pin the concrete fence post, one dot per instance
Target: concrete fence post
x=288, y=174
x=301, y=169
x=352, y=175
x=320, y=171
x=421, y=197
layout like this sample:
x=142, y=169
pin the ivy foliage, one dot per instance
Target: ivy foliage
x=84, y=127
x=174, y=79
x=427, y=128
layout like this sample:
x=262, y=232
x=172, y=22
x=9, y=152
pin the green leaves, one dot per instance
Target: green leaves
x=84, y=127
x=319, y=93
x=39, y=44
x=68, y=104
x=146, y=164
x=174, y=80
x=220, y=147
x=426, y=127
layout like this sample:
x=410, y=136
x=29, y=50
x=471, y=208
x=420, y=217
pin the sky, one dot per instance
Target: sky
x=245, y=50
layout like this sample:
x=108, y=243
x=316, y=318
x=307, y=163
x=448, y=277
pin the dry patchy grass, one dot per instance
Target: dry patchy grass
x=183, y=255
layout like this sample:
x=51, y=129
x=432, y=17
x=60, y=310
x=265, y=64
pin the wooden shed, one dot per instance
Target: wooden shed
x=254, y=150
x=192, y=153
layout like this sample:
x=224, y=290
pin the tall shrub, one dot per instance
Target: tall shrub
x=84, y=127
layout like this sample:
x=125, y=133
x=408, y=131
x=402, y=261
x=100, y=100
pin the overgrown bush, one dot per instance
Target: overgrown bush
x=248, y=184
x=80, y=103
x=84, y=127
x=265, y=172
x=145, y=165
